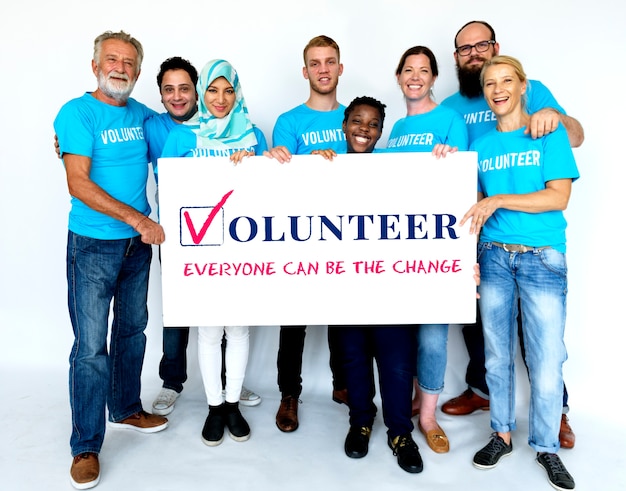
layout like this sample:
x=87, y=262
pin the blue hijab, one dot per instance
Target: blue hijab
x=233, y=130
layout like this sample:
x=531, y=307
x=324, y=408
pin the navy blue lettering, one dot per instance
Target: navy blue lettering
x=385, y=226
x=326, y=223
x=252, y=229
x=294, y=228
x=360, y=219
x=439, y=226
x=268, y=231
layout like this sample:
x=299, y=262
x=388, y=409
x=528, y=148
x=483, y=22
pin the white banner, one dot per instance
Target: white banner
x=364, y=239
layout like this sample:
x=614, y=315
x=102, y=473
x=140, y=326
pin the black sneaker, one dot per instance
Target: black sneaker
x=557, y=473
x=238, y=427
x=213, y=430
x=357, y=441
x=409, y=458
x=489, y=456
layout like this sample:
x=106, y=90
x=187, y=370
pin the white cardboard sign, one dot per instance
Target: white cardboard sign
x=364, y=239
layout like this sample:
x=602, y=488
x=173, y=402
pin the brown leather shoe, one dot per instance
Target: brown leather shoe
x=340, y=396
x=466, y=403
x=287, y=415
x=143, y=422
x=566, y=434
x=85, y=471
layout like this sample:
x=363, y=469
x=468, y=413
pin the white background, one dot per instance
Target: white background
x=576, y=48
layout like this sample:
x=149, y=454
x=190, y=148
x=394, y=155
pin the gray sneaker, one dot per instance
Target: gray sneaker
x=489, y=456
x=247, y=397
x=557, y=473
x=164, y=402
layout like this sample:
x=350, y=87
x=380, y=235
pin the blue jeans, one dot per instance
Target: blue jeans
x=539, y=280
x=432, y=356
x=99, y=271
x=475, y=344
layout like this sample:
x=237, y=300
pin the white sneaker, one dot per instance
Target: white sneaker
x=247, y=397
x=164, y=402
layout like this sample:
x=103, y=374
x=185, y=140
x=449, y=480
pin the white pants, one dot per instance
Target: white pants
x=210, y=361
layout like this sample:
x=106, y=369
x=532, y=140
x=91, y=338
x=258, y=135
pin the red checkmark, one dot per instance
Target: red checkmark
x=197, y=237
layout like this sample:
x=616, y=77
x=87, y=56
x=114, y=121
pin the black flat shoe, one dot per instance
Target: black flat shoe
x=357, y=442
x=238, y=427
x=407, y=452
x=213, y=430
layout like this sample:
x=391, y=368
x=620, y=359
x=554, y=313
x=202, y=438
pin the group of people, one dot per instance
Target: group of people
x=107, y=139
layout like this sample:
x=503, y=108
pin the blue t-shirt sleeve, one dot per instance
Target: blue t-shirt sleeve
x=559, y=162
x=156, y=132
x=285, y=135
x=540, y=97
x=457, y=136
x=147, y=112
x=73, y=130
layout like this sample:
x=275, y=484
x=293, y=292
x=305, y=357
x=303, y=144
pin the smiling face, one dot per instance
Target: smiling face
x=416, y=77
x=117, y=69
x=471, y=35
x=363, y=128
x=178, y=94
x=322, y=69
x=503, y=89
x=219, y=97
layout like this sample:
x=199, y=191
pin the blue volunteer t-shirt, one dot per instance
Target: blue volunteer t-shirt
x=480, y=119
x=157, y=129
x=303, y=130
x=182, y=142
x=514, y=163
x=113, y=138
x=421, y=132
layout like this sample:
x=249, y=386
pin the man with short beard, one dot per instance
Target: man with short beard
x=474, y=44
x=109, y=250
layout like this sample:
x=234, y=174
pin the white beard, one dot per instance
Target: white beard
x=119, y=90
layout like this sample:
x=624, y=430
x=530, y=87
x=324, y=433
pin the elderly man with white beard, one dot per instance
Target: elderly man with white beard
x=109, y=249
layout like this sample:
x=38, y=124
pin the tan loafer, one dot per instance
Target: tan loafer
x=436, y=439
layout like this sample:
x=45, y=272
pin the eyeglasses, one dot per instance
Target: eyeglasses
x=480, y=47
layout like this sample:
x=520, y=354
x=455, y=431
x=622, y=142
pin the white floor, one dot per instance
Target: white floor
x=35, y=429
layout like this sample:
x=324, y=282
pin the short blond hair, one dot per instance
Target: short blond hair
x=504, y=60
x=321, y=42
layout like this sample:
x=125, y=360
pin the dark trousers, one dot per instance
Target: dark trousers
x=173, y=365
x=289, y=360
x=393, y=348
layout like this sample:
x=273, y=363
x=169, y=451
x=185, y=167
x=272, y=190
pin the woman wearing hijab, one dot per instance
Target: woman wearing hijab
x=221, y=127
